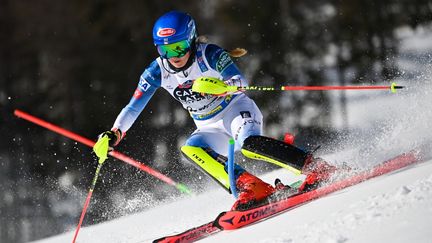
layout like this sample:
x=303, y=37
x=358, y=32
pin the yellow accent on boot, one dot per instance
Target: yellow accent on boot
x=207, y=163
x=253, y=155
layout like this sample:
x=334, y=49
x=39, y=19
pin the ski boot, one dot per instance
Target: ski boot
x=282, y=191
x=317, y=171
x=252, y=191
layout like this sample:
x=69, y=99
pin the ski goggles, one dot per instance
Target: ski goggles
x=177, y=49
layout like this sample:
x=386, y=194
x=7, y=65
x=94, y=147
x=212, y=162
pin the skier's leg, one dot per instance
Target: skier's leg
x=290, y=157
x=246, y=127
x=274, y=151
x=242, y=121
x=207, y=148
x=200, y=152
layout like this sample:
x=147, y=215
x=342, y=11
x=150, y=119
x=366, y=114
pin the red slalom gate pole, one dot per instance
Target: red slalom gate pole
x=113, y=153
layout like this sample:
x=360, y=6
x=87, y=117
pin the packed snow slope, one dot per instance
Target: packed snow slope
x=392, y=208
x=396, y=207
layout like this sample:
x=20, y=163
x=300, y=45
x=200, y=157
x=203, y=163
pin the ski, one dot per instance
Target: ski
x=236, y=219
x=192, y=235
x=231, y=220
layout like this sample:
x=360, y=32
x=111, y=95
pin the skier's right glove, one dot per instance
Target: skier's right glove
x=114, y=136
x=106, y=141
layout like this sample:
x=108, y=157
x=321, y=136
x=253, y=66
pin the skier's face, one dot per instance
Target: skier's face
x=177, y=53
x=179, y=62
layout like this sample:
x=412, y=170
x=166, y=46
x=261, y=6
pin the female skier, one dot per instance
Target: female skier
x=183, y=58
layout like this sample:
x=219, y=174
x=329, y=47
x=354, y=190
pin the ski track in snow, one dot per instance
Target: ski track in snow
x=395, y=207
x=337, y=228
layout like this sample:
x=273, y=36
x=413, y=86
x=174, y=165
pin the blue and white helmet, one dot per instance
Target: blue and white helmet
x=174, y=26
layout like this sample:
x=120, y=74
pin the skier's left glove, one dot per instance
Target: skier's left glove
x=106, y=141
x=217, y=87
x=234, y=81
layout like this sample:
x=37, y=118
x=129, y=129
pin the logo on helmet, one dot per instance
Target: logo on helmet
x=165, y=32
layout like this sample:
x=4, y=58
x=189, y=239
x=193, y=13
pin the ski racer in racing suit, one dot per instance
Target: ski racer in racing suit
x=218, y=118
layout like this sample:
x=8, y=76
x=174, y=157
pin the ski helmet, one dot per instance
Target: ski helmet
x=174, y=27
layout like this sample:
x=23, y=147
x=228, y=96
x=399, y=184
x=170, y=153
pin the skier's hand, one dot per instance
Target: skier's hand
x=106, y=141
x=234, y=81
x=214, y=86
x=114, y=137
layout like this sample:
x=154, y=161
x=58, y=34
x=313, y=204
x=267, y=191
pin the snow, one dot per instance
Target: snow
x=396, y=207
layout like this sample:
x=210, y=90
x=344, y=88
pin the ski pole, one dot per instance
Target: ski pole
x=87, y=201
x=101, y=148
x=182, y=188
x=391, y=87
x=210, y=85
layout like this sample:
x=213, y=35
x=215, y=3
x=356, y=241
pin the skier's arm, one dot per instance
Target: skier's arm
x=131, y=111
x=150, y=80
x=124, y=120
x=220, y=60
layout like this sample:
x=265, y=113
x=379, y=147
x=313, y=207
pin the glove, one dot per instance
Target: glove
x=114, y=136
x=234, y=81
x=106, y=141
x=217, y=87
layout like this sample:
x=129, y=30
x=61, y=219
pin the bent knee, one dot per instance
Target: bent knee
x=196, y=141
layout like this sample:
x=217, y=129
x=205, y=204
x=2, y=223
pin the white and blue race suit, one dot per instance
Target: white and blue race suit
x=218, y=118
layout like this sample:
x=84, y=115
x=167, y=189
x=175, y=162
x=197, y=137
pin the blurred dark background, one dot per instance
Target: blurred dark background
x=77, y=63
